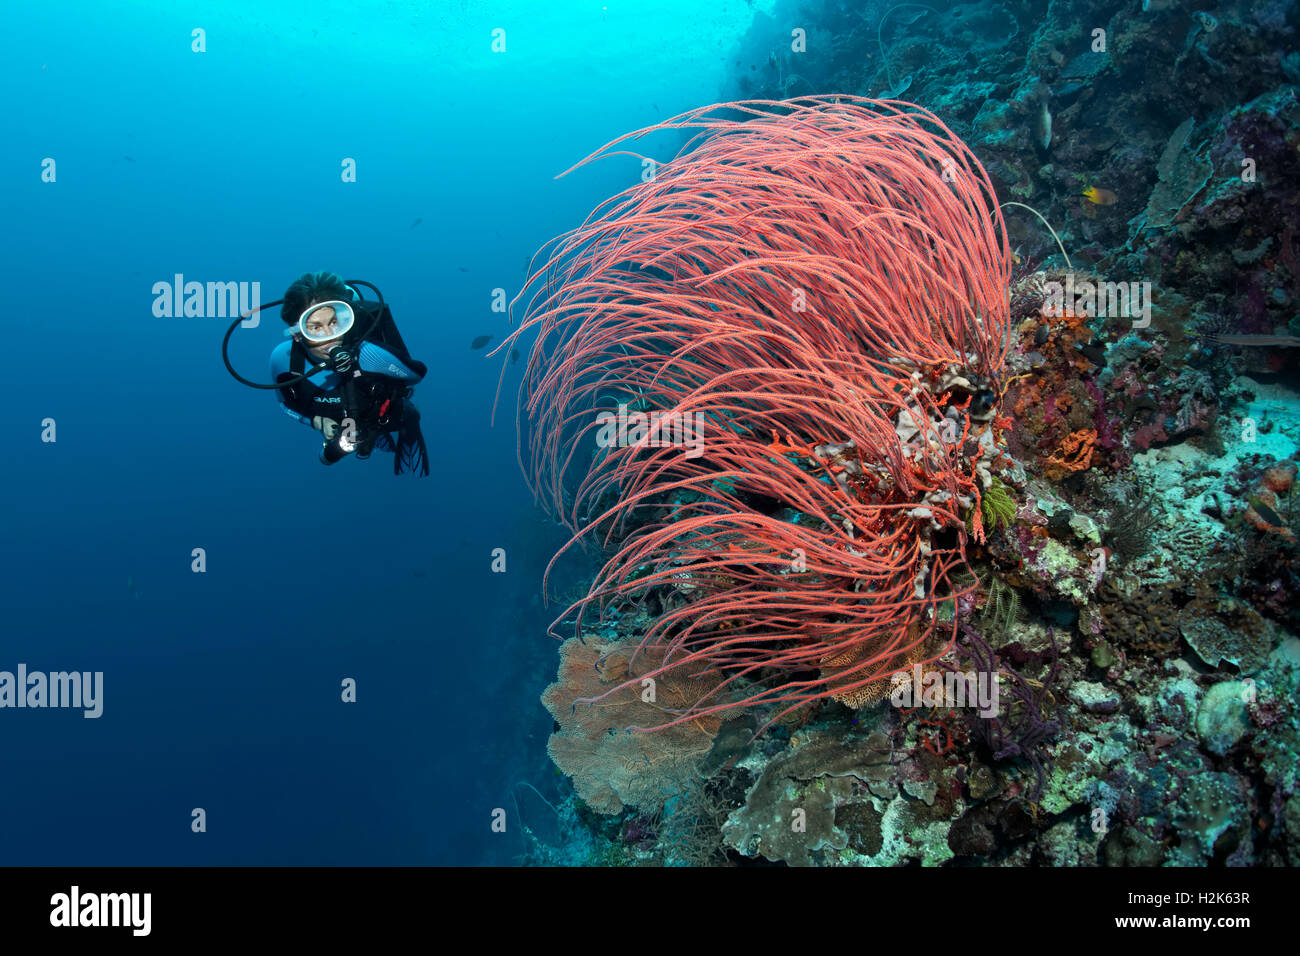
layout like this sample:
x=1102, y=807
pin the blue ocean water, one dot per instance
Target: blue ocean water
x=222, y=689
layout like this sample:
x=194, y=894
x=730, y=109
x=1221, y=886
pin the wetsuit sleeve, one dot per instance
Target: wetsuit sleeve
x=378, y=360
x=280, y=366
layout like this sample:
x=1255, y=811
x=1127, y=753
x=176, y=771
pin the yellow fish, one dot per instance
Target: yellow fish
x=1102, y=197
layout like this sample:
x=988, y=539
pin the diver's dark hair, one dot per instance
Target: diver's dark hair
x=310, y=288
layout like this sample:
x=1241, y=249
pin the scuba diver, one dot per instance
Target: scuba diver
x=345, y=371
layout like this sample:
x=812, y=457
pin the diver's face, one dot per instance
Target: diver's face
x=321, y=323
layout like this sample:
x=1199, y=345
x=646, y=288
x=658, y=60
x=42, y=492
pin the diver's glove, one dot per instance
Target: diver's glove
x=326, y=426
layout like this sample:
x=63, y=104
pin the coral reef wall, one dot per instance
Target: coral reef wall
x=1138, y=588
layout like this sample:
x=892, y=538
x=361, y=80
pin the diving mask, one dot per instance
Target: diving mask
x=324, y=322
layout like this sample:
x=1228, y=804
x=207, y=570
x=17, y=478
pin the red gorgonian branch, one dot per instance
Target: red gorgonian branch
x=818, y=287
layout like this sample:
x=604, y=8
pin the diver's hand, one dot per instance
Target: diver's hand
x=338, y=448
x=326, y=426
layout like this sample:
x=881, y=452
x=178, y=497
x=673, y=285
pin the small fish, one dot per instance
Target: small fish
x=514, y=356
x=418, y=220
x=1044, y=127
x=462, y=269
x=481, y=341
x=128, y=159
x=1101, y=197
x=1268, y=514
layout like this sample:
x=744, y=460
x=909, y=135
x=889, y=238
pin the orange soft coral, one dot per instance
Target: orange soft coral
x=1074, y=454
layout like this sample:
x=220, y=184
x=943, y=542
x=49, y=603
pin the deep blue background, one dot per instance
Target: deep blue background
x=222, y=689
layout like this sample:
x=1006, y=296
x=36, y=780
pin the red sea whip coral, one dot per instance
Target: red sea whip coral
x=820, y=285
